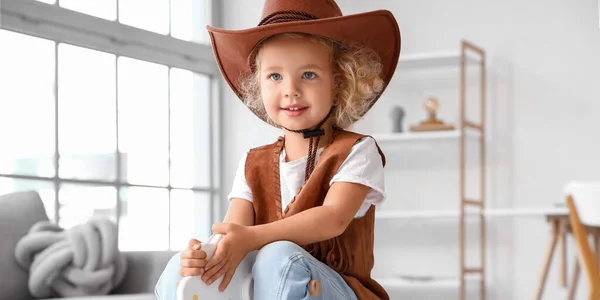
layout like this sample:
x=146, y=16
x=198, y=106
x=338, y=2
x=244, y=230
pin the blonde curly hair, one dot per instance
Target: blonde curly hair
x=357, y=78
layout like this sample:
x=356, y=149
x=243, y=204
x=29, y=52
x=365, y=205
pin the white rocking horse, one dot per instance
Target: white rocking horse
x=240, y=287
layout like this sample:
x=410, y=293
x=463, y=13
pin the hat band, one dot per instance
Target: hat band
x=283, y=16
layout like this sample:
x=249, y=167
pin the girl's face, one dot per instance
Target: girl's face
x=296, y=81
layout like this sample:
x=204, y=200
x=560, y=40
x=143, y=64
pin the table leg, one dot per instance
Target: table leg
x=548, y=260
x=597, y=243
x=562, y=246
x=574, y=279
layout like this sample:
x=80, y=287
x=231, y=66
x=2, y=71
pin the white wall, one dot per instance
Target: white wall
x=544, y=92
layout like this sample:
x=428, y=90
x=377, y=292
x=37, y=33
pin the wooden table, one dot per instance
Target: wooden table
x=560, y=227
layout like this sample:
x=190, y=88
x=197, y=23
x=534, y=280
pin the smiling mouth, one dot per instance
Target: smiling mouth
x=294, y=111
x=294, y=108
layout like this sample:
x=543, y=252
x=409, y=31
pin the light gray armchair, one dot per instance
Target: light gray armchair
x=19, y=211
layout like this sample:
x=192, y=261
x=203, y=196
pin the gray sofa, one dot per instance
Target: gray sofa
x=19, y=211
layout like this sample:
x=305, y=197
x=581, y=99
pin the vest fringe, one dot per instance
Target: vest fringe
x=336, y=250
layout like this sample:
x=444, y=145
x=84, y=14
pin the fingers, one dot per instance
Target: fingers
x=185, y=271
x=192, y=267
x=192, y=263
x=219, y=274
x=218, y=257
x=194, y=244
x=210, y=275
x=213, y=262
x=227, y=279
x=192, y=254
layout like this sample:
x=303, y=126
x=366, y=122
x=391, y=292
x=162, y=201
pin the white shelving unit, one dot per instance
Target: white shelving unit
x=400, y=283
x=466, y=208
x=454, y=214
x=422, y=136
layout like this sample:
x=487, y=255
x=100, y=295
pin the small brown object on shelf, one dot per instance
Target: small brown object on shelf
x=432, y=123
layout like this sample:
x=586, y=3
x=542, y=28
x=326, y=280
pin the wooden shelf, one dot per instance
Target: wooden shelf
x=440, y=62
x=434, y=59
x=493, y=213
x=422, y=136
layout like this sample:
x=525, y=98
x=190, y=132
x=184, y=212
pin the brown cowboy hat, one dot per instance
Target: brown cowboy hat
x=377, y=30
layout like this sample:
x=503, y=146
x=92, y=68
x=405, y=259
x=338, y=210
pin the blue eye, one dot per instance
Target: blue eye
x=275, y=76
x=309, y=75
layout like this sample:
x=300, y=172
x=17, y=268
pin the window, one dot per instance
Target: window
x=107, y=109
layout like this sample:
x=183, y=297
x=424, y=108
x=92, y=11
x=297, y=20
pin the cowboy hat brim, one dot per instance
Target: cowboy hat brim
x=377, y=30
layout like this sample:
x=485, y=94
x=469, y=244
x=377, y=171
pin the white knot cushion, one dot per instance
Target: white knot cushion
x=80, y=261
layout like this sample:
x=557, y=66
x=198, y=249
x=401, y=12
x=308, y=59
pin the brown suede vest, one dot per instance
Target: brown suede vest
x=351, y=253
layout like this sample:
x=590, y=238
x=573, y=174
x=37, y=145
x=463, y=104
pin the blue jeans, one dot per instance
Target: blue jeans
x=282, y=270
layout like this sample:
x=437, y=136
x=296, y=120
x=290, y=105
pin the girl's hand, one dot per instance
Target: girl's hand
x=192, y=260
x=237, y=241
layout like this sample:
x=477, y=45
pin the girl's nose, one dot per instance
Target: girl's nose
x=292, y=94
x=291, y=89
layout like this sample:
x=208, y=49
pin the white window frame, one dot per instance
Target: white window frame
x=61, y=25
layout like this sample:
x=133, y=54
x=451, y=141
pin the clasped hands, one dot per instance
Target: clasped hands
x=236, y=242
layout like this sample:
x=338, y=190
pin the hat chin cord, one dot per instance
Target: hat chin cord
x=314, y=136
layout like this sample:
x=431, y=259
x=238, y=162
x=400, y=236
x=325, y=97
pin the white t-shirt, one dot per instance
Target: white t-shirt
x=363, y=165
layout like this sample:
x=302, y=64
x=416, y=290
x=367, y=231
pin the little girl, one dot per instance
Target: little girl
x=305, y=202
